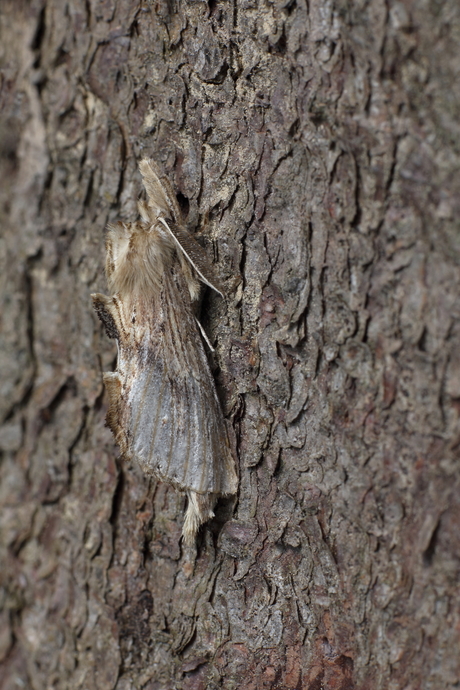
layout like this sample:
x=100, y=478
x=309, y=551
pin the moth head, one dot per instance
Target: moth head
x=145, y=212
x=137, y=256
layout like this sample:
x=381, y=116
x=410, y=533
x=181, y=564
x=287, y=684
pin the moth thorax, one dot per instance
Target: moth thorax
x=138, y=259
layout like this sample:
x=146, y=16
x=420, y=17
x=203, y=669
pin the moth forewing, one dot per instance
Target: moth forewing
x=163, y=406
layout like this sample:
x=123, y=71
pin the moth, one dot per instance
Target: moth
x=163, y=407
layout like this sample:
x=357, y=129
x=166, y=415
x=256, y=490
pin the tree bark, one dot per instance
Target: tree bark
x=314, y=148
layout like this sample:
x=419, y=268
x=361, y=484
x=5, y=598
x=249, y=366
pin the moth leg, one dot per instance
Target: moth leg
x=199, y=510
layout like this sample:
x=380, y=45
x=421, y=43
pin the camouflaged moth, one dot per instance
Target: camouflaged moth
x=163, y=408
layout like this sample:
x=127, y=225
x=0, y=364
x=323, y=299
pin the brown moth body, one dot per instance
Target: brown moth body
x=163, y=407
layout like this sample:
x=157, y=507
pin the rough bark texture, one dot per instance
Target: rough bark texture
x=315, y=147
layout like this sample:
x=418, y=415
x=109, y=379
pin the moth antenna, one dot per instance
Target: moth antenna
x=178, y=244
x=204, y=336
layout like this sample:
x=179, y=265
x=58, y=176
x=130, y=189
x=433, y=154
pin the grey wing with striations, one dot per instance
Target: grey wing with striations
x=163, y=406
x=177, y=426
x=177, y=430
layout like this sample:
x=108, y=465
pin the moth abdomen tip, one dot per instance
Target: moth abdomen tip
x=199, y=510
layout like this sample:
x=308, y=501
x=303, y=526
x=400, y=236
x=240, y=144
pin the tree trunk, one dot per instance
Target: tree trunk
x=314, y=148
